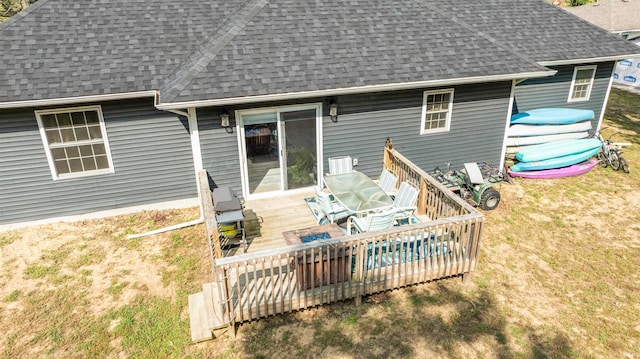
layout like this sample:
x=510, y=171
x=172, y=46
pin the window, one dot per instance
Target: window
x=436, y=111
x=581, y=83
x=75, y=141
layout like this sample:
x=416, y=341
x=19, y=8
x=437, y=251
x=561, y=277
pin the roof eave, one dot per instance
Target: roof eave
x=588, y=60
x=351, y=90
x=77, y=100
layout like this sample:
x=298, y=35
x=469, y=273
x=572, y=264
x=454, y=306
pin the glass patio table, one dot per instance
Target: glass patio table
x=357, y=192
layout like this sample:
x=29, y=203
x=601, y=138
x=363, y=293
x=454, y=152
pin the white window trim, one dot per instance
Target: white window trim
x=573, y=82
x=424, y=111
x=47, y=148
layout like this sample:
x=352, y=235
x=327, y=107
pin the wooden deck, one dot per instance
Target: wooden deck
x=266, y=219
x=272, y=277
x=260, y=284
x=288, y=281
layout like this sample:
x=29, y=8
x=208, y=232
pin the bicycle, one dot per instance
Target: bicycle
x=611, y=155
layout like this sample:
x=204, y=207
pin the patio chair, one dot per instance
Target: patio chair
x=333, y=211
x=341, y=164
x=388, y=182
x=373, y=222
x=405, y=201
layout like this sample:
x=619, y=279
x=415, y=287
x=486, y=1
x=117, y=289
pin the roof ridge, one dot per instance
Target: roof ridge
x=205, y=53
x=480, y=33
x=17, y=17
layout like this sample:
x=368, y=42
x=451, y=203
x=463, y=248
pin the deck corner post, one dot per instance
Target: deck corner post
x=388, y=147
x=466, y=278
x=422, y=198
x=359, y=275
x=232, y=330
x=229, y=307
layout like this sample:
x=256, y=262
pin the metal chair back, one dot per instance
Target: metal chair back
x=341, y=164
x=407, y=196
x=382, y=220
x=387, y=181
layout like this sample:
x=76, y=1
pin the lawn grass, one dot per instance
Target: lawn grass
x=80, y=300
x=557, y=278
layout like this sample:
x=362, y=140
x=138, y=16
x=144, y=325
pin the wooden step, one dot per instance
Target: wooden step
x=198, y=322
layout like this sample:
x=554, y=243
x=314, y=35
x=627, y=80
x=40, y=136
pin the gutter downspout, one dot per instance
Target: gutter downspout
x=197, y=164
x=506, y=128
x=606, y=97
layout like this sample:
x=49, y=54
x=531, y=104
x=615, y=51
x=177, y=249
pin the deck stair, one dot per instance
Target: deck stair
x=203, y=316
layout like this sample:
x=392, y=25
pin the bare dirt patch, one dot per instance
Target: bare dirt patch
x=82, y=270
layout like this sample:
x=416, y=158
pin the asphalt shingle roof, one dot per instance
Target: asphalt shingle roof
x=197, y=50
x=538, y=30
x=69, y=48
x=315, y=46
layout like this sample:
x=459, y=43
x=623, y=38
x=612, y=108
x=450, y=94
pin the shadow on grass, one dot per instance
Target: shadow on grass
x=622, y=111
x=428, y=320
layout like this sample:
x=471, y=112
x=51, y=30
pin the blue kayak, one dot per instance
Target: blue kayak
x=556, y=162
x=552, y=116
x=545, y=151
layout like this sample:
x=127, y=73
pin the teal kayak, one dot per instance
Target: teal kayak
x=552, y=116
x=556, y=162
x=555, y=149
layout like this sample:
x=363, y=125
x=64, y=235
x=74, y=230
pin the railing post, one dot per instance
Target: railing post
x=388, y=146
x=422, y=199
x=228, y=309
x=211, y=226
x=359, y=275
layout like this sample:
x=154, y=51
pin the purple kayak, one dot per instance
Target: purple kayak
x=573, y=170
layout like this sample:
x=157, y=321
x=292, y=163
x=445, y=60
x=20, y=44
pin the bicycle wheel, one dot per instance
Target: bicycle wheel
x=615, y=159
x=624, y=166
x=602, y=159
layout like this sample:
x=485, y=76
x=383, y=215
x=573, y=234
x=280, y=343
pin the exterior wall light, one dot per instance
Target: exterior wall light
x=224, y=119
x=333, y=111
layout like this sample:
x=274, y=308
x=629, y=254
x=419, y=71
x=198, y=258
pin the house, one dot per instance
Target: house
x=619, y=17
x=116, y=107
x=616, y=16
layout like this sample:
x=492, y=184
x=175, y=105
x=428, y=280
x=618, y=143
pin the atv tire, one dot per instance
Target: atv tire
x=489, y=199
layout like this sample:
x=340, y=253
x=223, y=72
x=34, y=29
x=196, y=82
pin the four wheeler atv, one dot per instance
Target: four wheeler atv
x=474, y=183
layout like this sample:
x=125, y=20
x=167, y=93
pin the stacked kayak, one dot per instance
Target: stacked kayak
x=573, y=170
x=545, y=125
x=551, y=143
x=556, y=159
x=552, y=116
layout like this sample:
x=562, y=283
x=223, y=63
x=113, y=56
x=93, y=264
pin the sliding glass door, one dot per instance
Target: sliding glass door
x=262, y=153
x=299, y=142
x=279, y=148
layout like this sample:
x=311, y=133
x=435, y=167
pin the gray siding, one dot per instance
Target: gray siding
x=220, y=155
x=365, y=121
x=151, y=153
x=554, y=91
x=476, y=134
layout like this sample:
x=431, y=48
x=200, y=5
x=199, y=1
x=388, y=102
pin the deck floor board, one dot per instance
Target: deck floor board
x=275, y=215
x=268, y=218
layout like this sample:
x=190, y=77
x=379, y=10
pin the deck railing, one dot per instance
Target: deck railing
x=434, y=200
x=209, y=212
x=256, y=285
x=261, y=284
